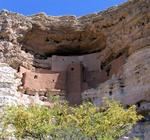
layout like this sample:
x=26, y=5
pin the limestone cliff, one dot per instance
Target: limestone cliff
x=9, y=94
x=118, y=29
x=123, y=30
x=88, y=57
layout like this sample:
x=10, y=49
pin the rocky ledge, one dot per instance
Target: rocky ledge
x=30, y=41
x=110, y=31
x=104, y=54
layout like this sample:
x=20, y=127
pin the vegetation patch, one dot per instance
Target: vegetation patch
x=64, y=122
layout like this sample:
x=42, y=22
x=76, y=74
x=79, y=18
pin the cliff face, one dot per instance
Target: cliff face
x=114, y=31
x=104, y=54
x=119, y=31
x=9, y=83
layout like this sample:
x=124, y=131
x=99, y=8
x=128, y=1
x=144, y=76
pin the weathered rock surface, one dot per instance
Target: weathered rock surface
x=120, y=28
x=119, y=66
x=132, y=86
x=9, y=83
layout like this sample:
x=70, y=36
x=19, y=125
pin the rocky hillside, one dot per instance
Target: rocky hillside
x=114, y=31
x=122, y=31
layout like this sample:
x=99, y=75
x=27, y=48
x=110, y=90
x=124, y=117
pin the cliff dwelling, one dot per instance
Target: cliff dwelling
x=69, y=76
x=81, y=58
x=73, y=61
x=92, y=57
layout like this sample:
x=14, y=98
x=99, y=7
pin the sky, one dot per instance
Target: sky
x=58, y=7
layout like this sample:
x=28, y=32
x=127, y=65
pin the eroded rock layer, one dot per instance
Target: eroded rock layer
x=118, y=29
x=79, y=58
x=119, y=39
x=112, y=47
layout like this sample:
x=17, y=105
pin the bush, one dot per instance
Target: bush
x=33, y=121
x=63, y=122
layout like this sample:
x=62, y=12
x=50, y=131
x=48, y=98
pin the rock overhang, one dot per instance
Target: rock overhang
x=120, y=36
x=71, y=35
x=67, y=44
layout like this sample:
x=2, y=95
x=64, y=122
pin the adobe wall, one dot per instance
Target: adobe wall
x=71, y=74
x=37, y=70
x=43, y=80
x=74, y=83
x=95, y=77
x=91, y=62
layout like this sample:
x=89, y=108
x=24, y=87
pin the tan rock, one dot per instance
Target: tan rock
x=118, y=39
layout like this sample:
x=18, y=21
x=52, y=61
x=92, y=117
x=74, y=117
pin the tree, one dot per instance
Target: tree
x=64, y=122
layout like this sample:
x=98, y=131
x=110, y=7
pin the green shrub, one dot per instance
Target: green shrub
x=100, y=123
x=64, y=122
x=33, y=121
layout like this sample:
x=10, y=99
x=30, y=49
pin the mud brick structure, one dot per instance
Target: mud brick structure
x=71, y=75
x=105, y=54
